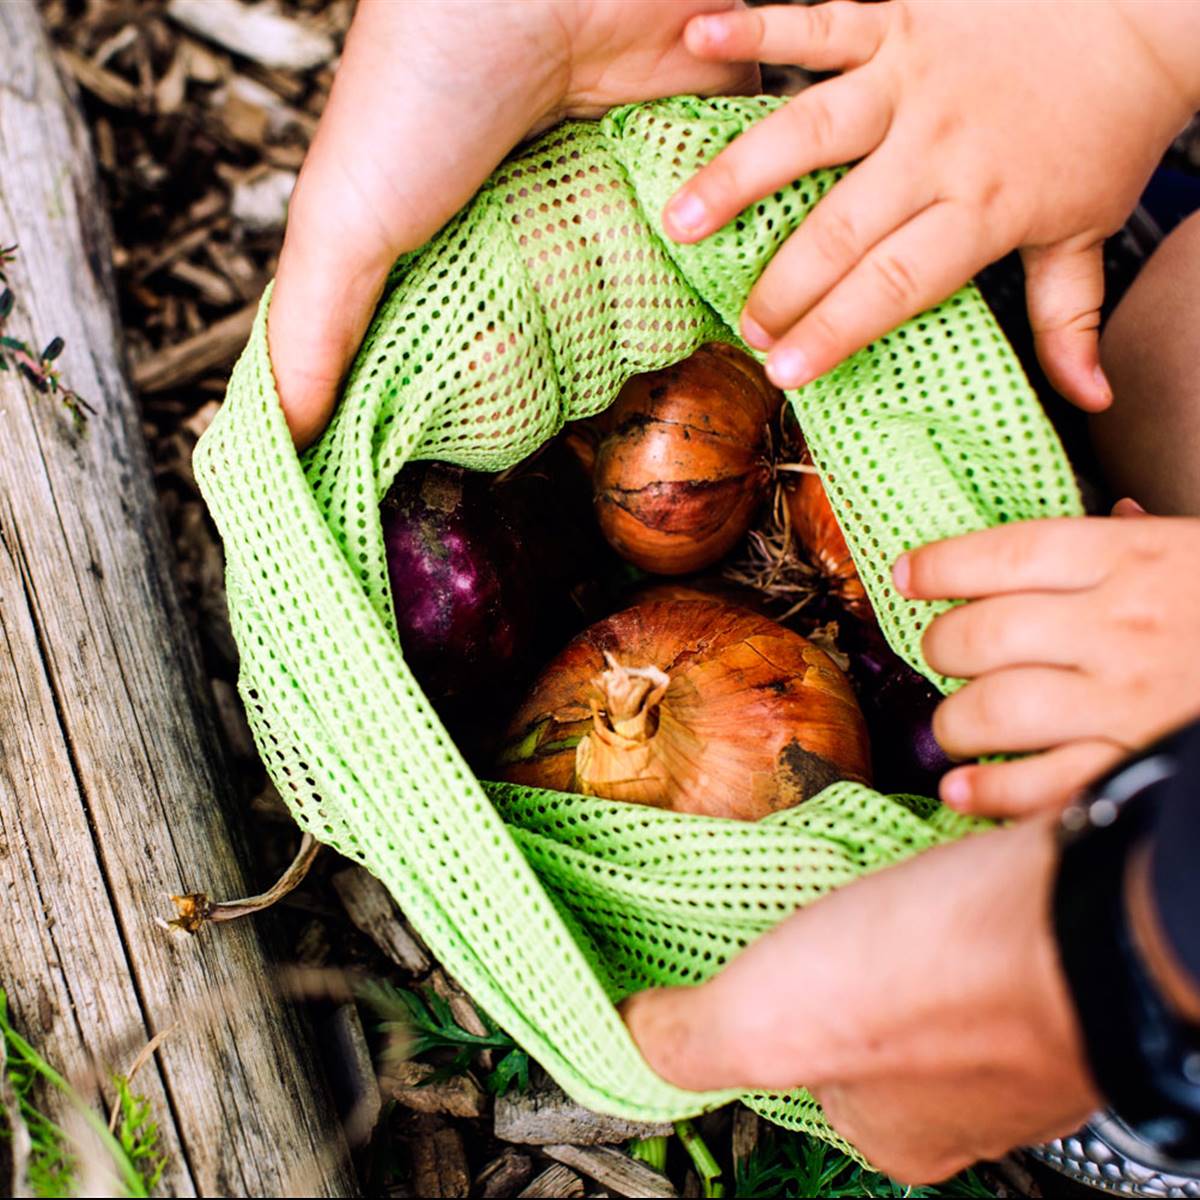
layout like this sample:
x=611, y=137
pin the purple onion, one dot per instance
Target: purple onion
x=462, y=584
x=490, y=575
x=898, y=704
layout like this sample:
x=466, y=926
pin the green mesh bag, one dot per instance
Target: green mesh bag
x=529, y=309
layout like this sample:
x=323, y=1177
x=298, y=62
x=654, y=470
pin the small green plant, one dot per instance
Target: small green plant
x=712, y=1187
x=425, y=1023
x=650, y=1150
x=39, y=369
x=51, y=1168
x=47, y=1165
x=789, y=1165
x=138, y=1134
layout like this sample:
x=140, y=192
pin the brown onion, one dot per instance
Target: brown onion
x=692, y=705
x=816, y=529
x=683, y=460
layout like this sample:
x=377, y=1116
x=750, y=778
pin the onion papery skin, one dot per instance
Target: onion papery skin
x=683, y=461
x=814, y=525
x=816, y=529
x=755, y=718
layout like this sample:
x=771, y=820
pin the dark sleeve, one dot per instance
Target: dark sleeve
x=1175, y=867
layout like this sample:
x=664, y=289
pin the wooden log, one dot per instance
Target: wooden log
x=747, y=1127
x=257, y=32
x=413, y=1085
x=370, y=906
x=439, y=1164
x=113, y=786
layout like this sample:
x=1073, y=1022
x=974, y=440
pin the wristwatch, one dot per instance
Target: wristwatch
x=1144, y=1058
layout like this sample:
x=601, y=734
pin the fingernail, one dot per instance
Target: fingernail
x=902, y=574
x=788, y=368
x=709, y=28
x=1103, y=387
x=1128, y=507
x=956, y=791
x=687, y=212
x=755, y=334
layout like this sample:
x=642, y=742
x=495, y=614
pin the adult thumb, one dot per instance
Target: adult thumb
x=710, y=1037
x=325, y=293
x=1064, y=287
x=681, y=1039
x=396, y=154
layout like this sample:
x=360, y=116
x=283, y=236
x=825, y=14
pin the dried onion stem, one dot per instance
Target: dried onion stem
x=195, y=909
x=770, y=565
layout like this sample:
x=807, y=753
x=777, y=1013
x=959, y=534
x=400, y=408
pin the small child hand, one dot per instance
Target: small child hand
x=981, y=127
x=428, y=99
x=1081, y=640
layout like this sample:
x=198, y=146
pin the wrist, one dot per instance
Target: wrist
x=1049, y=1010
x=553, y=33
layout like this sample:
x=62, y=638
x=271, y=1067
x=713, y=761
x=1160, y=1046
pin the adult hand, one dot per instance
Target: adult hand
x=980, y=128
x=428, y=99
x=923, y=1006
x=1082, y=641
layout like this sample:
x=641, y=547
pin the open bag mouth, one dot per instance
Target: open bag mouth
x=532, y=308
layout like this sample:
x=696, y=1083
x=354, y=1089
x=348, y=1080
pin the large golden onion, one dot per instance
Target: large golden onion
x=693, y=705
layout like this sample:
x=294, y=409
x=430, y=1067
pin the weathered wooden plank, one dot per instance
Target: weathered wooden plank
x=113, y=790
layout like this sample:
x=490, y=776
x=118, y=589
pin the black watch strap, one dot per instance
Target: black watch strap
x=1145, y=1060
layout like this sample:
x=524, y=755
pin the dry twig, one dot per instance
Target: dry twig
x=195, y=909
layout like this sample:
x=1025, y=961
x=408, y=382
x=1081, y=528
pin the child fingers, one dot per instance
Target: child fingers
x=912, y=269
x=1064, y=288
x=871, y=202
x=1006, y=631
x=1059, y=554
x=826, y=37
x=832, y=123
x=1047, y=781
x=1021, y=709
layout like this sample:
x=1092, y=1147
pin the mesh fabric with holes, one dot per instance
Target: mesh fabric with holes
x=531, y=308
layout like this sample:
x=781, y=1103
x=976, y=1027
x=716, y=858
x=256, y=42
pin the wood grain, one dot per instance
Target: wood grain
x=113, y=789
